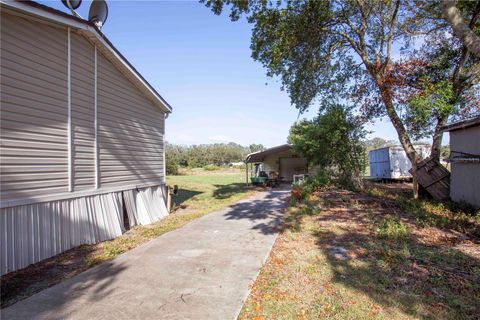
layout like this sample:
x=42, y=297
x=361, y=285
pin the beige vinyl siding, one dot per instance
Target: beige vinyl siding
x=33, y=128
x=83, y=112
x=130, y=131
x=465, y=176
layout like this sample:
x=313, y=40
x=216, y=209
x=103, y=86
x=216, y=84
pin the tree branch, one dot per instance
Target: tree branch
x=465, y=52
x=361, y=5
x=460, y=29
x=390, y=33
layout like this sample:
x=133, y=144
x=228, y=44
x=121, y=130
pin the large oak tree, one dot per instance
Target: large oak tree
x=333, y=50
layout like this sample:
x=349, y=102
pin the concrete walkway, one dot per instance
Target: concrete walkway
x=200, y=271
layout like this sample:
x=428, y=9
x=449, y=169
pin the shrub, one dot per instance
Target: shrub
x=172, y=168
x=297, y=193
x=211, y=167
x=312, y=184
x=392, y=229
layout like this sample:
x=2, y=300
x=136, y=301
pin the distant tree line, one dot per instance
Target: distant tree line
x=201, y=155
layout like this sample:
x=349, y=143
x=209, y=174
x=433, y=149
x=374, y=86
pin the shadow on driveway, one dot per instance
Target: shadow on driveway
x=266, y=212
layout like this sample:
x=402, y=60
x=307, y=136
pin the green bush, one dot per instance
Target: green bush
x=333, y=140
x=311, y=184
x=393, y=229
x=172, y=168
x=211, y=167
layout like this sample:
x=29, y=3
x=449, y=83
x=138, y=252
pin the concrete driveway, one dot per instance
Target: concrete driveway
x=200, y=271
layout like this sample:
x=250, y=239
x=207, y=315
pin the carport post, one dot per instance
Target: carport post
x=246, y=172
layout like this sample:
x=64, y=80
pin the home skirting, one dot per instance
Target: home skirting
x=33, y=232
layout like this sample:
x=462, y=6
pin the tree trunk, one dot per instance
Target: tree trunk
x=437, y=139
x=401, y=132
x=415, y=181
x=460, y=28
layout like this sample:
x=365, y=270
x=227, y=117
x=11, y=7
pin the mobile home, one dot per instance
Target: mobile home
x=82, y=137
x=465, y=161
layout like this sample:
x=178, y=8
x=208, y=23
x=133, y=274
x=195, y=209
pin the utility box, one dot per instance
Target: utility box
x=393, y=163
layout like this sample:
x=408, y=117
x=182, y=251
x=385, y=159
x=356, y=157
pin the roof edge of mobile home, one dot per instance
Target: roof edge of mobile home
x=462, y=124
x=92, y=33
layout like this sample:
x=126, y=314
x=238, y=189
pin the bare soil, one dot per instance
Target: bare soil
x=348, y=255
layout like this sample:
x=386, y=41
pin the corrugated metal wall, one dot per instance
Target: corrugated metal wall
x=379, y=163
x=31, y=233
x=83, y=113
x=146, y=205
x=33, y=109
x=34, y=232
x=130, y=131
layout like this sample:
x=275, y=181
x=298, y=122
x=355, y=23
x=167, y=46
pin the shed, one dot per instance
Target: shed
x=465, y=161
x=280, y=160
x=392, y=162
x=82, y=137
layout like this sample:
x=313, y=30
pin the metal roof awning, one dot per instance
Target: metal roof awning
x=259, y=156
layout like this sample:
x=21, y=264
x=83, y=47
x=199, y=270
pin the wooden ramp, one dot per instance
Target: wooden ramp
x=434, y=178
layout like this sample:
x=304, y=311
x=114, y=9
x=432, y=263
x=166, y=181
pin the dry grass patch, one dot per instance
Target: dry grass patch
x=357, y=258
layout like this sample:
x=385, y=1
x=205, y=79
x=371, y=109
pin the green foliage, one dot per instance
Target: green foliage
x=112, y=249
x=445, y=152
x=315, y=183
x=429, y=213
x=392, y=229
x=211, y=167
x=453, y=216
x=377, y=143
x=172, y=167
x=332, y=140
x=198, y=156
x=256, y=147
x=435, y=100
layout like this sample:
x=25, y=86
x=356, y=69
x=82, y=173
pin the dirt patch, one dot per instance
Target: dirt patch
x=361, y=257
x=36, y=277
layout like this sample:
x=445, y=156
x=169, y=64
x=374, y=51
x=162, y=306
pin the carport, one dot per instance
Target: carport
x=280, y=161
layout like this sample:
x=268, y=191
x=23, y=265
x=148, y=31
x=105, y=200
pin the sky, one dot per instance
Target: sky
x=201, y=64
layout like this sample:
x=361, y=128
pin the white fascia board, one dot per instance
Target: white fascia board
x=98, y=37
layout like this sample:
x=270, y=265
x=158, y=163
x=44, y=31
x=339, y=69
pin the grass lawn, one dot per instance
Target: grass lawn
x=200, y=193
x=345, y=255
x=204, y=191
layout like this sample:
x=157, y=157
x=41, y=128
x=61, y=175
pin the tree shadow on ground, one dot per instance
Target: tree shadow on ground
x=58, y=302
x=265, y=213
x=184, y=195
x=228, y=190
x=415, y=274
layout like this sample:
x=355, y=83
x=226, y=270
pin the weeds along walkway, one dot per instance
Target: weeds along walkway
x=200, y=271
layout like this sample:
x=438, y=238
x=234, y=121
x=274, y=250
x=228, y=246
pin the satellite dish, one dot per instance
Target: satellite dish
x=72, y=4
x=98, y=12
